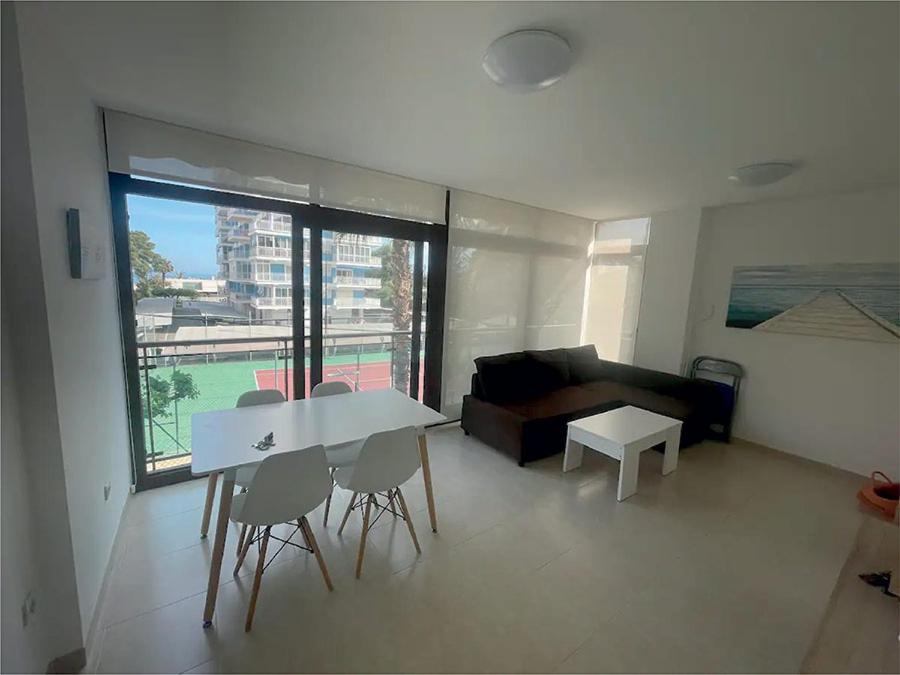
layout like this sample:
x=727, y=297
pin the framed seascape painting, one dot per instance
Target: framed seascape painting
x=855, y=301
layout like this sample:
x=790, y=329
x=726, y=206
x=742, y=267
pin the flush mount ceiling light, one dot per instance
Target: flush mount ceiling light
x=766, y=173
x=527, y=60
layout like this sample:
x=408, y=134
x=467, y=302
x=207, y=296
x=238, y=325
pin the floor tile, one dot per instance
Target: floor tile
x=723, y=566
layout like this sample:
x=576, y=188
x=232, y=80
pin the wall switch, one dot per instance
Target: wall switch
x=106, y=490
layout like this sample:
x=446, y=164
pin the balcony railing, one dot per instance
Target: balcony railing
x=266, y=301
x=269, y=252
x=274, y=225
x=357, y=303
x=352, y=259
x=362, y=282
x=181, y=378
x=272, y=276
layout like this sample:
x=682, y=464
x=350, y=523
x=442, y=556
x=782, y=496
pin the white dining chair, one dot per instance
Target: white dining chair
x=387, y=460
x=285, y=488
x=259, y=397
x=330, y=389
x=245, y=473
x=338, y=455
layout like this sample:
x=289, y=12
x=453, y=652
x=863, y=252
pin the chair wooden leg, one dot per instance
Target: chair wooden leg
x=328, y=501
x=408, y=519
x=257, y=580
x=362, y=537
x=243, y=554
x=207, y=508
x=243, y=534
x=347, y=513
x=314, y=545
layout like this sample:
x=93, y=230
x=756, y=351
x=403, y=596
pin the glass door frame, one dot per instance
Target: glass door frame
x=316, y=219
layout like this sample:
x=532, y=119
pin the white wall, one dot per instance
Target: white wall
x=831, y=400
x=69, y=172
x=37, y=559
x=666, y=290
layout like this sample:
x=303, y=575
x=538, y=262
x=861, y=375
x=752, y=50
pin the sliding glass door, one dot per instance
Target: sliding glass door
x=221, y=293
x=372, y=287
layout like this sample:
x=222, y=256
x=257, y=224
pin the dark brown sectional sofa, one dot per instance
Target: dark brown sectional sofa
x=521, y=402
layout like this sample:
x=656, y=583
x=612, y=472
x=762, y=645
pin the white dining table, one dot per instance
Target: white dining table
x=222, y=442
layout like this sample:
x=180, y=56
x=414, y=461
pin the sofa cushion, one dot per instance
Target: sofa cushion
x=565, y=401
x=551, y=368
x=627, y=374
x=642, y=398
x=507, y=377
x=583, y=364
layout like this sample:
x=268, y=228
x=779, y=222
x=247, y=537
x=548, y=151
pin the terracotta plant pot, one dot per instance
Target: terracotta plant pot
x=881, y=495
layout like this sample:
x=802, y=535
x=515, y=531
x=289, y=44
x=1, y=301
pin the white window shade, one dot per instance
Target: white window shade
x=515, y=280
x=145, y=147
x=614, y=287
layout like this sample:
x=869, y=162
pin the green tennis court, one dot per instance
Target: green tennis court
x=218, y=385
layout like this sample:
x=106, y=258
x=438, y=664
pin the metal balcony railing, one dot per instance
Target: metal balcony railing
x=183, y=377
x=269, y=252
x=266, y=301
x=272, y=276
x=363, y=282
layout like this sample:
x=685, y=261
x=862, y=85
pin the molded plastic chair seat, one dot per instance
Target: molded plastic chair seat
x=244, y=475
x=344, y=454
x=387, y=460
x=330, y=389
x=286, y=487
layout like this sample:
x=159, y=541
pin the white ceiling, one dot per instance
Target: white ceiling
x=663, y=101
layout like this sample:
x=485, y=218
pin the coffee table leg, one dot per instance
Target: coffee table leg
x=628, y=473
x=670, y=459
x=215, y=567
x=574, y=455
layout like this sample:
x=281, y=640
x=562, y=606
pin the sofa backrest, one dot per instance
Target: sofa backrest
x=522, y=376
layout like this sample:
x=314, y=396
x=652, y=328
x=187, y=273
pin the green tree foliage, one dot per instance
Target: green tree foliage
x=160, y=397
x=147, y=265
x=164, y=392
x=167, y=292
x=397, y=281
x=183, y=386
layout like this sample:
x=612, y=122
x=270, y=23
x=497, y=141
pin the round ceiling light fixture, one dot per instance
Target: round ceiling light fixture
x=527, y=60
x=766, y=173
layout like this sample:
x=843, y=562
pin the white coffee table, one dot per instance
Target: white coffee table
x=623, y=434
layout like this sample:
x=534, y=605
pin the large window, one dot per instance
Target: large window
x=221, y=293
x=614, y=287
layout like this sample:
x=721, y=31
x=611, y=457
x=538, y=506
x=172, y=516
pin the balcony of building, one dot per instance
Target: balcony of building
x=356, y=303
x=270, y=302
x=344, y=281
x=278, y=277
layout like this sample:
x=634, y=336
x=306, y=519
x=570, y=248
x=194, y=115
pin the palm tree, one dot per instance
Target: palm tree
x=399, y=273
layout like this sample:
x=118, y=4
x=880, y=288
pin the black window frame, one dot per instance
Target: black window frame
x=317, y=219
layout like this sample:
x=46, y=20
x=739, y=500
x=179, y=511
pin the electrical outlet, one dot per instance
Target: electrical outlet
x=106, y=490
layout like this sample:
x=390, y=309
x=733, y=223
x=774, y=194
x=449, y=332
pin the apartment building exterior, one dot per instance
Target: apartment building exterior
x=253, y=253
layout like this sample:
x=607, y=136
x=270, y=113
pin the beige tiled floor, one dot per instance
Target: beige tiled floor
x=725, y=565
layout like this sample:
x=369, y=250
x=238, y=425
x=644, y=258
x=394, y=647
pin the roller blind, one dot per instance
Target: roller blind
x=515, y=280
x=146, y=147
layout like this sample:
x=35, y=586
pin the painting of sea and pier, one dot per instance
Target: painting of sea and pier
x=855, y=301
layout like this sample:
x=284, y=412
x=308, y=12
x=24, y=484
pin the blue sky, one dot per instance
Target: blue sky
x=184, y=233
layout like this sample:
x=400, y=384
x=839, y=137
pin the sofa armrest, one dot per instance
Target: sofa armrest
x=493, y=424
